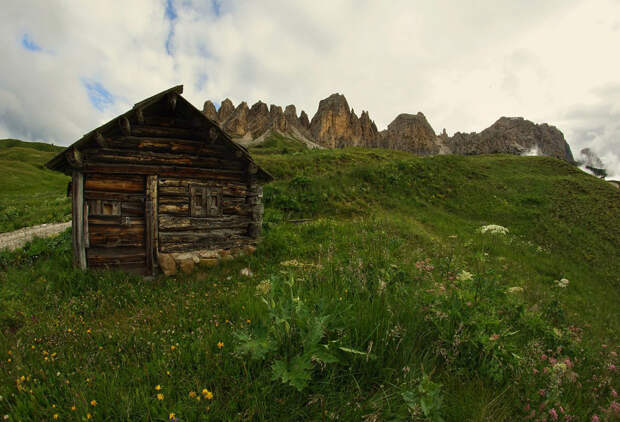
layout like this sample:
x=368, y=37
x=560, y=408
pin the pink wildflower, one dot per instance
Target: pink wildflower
x=542, y=392
x=595, y=418
x=568, y=363
x=612, y=367
x=535, y=371
x=553, y=361
x=614, y=393
x=553, y=414
x=543, y=357
x=615, y=406
x=526, y=408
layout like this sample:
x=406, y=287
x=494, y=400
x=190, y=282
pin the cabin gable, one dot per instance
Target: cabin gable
x=161, y=179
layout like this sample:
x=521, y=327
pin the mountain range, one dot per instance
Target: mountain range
x=336, y=125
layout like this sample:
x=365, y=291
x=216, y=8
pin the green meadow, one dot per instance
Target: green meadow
x=30, y=194
x=382, y=290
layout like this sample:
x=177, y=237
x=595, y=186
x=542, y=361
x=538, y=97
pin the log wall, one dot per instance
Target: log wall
x=161, y=184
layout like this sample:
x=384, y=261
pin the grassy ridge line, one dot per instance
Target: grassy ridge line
x=30, y=194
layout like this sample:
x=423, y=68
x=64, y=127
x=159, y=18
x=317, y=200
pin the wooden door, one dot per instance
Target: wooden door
x=116, y=223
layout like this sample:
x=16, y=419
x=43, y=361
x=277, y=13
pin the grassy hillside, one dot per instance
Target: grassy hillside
x=29, y=193
x=387, y=303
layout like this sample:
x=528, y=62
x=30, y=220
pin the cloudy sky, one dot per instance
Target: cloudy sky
x=70, y=65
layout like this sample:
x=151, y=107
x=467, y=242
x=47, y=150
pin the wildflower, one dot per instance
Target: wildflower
x=88, y=416
x=562, y=283
x=88, y=331
x=73, y=408
x=543, y=357
x=93, y=403
x=246, y=272
x=172, y=348
x=220, y=344
x=209, y=395
x=494, y=337
x=614, y=393
x=464, y=276
x=158, y=387
x=553, y=414
x=171, y=416
x=542, y=392
x=494, y=229
x=515, y=290
x=612, y=367
x=192, y=394
x=263, y=288
x=160, y=396
x=595, y=418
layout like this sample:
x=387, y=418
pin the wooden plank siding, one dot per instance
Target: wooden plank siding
x=180, y=231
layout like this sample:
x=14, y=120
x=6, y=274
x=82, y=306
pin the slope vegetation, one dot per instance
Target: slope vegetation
x=29, y=193
x=374, y=296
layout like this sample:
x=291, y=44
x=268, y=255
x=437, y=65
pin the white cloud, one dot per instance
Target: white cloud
x=463, y=65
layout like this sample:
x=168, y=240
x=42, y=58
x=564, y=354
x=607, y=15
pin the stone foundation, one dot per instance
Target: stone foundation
x=185, y=262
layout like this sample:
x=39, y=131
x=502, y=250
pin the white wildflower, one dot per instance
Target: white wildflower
x=247, y=272
x=464, y=276
x=263, y=288
x=494, y=229
x=515, y=289
x=563, y=283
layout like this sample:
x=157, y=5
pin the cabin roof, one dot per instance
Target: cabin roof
x=60, y=162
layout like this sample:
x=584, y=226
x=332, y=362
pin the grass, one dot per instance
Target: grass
x=389, y=304
x=30, y=194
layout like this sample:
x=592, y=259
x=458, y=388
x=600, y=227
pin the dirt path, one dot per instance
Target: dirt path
x=18, y=238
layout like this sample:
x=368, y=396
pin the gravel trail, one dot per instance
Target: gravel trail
x=18, y=238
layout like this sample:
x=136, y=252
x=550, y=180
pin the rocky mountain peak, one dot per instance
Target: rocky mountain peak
x=411, y=132
x=209, y=110
x=226, y=110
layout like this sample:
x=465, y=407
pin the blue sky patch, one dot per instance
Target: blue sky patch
x=99, y=97
x=29, y=44
x=215, y=5
x=171, y=10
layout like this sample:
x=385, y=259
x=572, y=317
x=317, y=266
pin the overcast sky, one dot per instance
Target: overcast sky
x=68, y=66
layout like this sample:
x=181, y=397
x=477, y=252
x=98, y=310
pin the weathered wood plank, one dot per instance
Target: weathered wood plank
x=116, y=256
x=79, y=251
x=167, y=132
x=133, y=221
x=110, y=155
x=235, y=242
x=115, y=183
x=170, y=145
x=175, y=223
x=114, y=196
x=134, y=208
x=176, y=209
x=200, y=237
x=214, y=174
x=150, y=213
x=86, y=235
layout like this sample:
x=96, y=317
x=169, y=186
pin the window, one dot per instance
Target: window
x=205, y=201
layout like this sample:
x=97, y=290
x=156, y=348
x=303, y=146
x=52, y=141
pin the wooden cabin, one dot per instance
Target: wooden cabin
x=161, y=186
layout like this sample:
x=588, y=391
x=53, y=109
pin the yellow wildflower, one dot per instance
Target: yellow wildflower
x=220, y=344
x=88, y=331
x=172, y=347
x=88, y=416
x=158, y=387
x=55, y=416
x=93, y=403
x=160, y=396
x=192, y=394
x=171, y=416
x=73, y=408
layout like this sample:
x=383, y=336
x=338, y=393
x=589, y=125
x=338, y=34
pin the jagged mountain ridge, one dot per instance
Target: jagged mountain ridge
x=336, y=125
